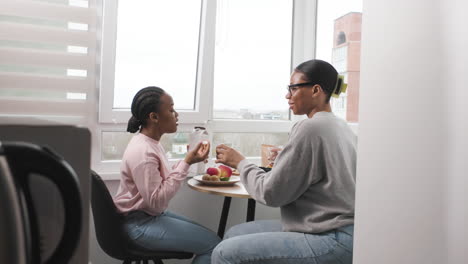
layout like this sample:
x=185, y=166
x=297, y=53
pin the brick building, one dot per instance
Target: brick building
x=346, y=59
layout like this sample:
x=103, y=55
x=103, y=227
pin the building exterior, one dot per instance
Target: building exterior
x=346, y=59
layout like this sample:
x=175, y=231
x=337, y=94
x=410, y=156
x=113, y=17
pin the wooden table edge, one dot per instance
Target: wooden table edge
x=196, y=183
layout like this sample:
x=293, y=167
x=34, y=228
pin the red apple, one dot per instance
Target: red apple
x=213, y=171
x=225, y=171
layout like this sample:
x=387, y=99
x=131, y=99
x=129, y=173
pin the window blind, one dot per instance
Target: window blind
x=48, y=59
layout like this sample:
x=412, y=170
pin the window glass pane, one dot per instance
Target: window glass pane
x=157, y=45
x=114, y=144
x=175, y=145
x=249, y=144
x=339, y=42
x=252, y=59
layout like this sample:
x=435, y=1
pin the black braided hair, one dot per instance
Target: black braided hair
x=322, y=73
x=144, y=102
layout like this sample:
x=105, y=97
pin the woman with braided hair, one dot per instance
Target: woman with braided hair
x=148, y=182
x=313, y=183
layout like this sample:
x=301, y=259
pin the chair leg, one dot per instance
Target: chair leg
x=145, y=261
x=157, y=261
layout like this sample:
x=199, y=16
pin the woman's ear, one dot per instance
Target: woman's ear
x=316, y=89
x=153, y=117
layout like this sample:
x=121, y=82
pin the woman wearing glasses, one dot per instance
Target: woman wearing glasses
x=313, y=182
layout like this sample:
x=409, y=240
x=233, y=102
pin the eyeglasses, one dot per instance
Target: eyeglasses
x=293, y=87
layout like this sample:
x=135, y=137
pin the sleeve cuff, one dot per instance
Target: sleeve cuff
x=182, y=166
x=242, y=164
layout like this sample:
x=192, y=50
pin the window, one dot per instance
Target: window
x=115, y=143
x=157, y=44
x=153, y=43
x=176, y=144
x=249, y=144
x=339, y=42
x=252, y=59
x=204, y=88
x=245, y=51
x=341, y=38
x=235, y=65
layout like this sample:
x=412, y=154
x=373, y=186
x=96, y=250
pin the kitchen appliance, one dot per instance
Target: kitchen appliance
x=21, y=240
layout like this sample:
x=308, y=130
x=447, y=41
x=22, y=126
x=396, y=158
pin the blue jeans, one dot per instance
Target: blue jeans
x=171, y=232
x=264, y=242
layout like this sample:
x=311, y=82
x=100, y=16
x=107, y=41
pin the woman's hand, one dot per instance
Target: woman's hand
x=228, y=156
x=273, y=153
x=199, y=153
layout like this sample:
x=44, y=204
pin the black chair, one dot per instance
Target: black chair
x=111, y=234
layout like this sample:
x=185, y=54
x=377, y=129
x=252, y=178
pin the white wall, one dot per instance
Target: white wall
x=412, y=150
x=456, y=82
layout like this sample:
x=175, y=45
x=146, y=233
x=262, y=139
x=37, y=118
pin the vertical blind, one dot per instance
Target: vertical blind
x=48, y=59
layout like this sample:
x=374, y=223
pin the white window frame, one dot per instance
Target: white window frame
x=302, y=49
x=205, y=66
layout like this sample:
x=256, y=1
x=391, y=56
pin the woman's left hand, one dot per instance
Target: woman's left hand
x=200, y=153
x=228, y=156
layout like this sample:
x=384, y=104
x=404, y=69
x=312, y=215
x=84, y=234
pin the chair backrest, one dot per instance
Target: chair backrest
x=108, y=222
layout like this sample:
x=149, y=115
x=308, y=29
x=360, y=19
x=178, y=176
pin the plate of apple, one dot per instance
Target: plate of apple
x=221, y=175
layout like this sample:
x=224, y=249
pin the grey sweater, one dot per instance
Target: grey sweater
x=313, y=180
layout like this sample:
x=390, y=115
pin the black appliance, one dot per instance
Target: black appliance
x=20, y=237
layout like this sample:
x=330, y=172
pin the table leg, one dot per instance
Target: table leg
x=250, y=210
x=224, y=216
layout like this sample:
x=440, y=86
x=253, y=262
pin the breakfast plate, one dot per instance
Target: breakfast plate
x=232, y=181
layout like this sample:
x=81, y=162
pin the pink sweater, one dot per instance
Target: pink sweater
x=147, y=182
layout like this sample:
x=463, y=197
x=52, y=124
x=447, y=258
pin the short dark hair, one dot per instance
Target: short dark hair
x=322, y=73
x=144, y=102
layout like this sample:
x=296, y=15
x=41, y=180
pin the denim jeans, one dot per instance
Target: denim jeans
x=172, y=232
x=264, y=242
